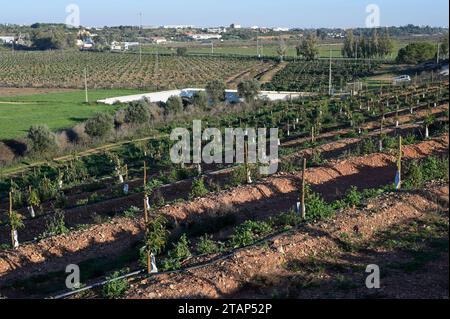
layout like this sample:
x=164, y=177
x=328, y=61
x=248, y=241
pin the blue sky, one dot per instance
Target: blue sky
x=283, y=13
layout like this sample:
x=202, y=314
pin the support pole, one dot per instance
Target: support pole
x=146, y=219
x=399, y=164
x=85, y=86
x=247, y=170
x=10, y=217
x=302, y=199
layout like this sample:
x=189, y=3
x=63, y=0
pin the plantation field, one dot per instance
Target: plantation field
x=92, y=220
x=65, y=69
x=57, y=110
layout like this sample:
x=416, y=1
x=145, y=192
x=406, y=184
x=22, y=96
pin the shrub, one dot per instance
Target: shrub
x=353, y=197
x=42, y=139
x=288, y=219
x=177, y=255
x=248, y=232
x=132, y=212
x=208, y=246
x=216, y=91
x=174, y=105
x=249, y=89
x=317, y=208
x=137, y=113
x=56, y=224
x=99, y=126
x=198, y=188
x=200, y=100
x=6, y=154
x=117, y=287
x=415, y=53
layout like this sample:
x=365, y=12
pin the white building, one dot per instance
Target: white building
x=201, y=37
x=217, y=30
x=281, y=29
x=159, y=40
x=235, y=26
x=6, y=39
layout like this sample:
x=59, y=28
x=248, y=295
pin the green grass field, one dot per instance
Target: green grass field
x=57, y=110
x=250, y=49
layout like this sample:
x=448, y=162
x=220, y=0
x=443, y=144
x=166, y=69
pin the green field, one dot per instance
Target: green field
x=57, y=110
x=249, y=49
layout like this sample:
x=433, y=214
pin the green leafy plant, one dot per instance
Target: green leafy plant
x=198, y=188
x=55, y=225
x=208, y=246
x=132, y=212
x=155, y=238
x=116, y=287
x=248, y=232
x=177, y=255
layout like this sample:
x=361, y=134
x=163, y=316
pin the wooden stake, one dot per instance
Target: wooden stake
x=400, y=155
x=303, y=190
x=10, y=218
x=146, y=219
x=247, y=172
x=145, y=194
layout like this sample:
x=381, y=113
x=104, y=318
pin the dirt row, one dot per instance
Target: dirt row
x=272, y=195
x=312, y=262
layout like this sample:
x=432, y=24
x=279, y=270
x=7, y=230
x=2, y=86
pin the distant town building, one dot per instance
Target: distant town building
x=158, y=40
x=123, y=46
x=281, y=29
x=217, y=30
x=6, y=39
x=235, y=26
x=179, y=27
x=205, y=36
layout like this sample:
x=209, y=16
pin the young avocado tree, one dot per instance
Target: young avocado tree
x=429, y=119
x=15, y=222
x=154, y=242
x=33, y=200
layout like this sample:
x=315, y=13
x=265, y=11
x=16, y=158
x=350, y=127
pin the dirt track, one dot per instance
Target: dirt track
x=272, y=195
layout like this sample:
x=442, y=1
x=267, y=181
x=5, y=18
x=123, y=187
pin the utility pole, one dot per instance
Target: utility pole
x=438, y=49
x=302, y=199
x=85, y=86
x=140, y=33
x=398, y=179
x=330, y=79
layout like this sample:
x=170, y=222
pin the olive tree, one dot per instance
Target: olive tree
x=99, y=126
x=41, y=139
x=249, y=89
x=216, y=91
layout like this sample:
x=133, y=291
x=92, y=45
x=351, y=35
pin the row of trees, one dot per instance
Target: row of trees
x=374, y=46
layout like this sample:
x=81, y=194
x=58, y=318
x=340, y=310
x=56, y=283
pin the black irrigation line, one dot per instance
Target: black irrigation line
x=142, y=273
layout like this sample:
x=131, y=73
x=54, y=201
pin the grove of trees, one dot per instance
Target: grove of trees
x=374, y=46
x=416, y=53
x=308, y=47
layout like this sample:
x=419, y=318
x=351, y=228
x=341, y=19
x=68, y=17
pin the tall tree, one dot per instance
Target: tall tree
x=349, y=49
x=282, y=49
x=308, y=47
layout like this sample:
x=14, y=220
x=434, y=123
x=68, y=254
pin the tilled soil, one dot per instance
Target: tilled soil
x=272, y=195
x=318, y=261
